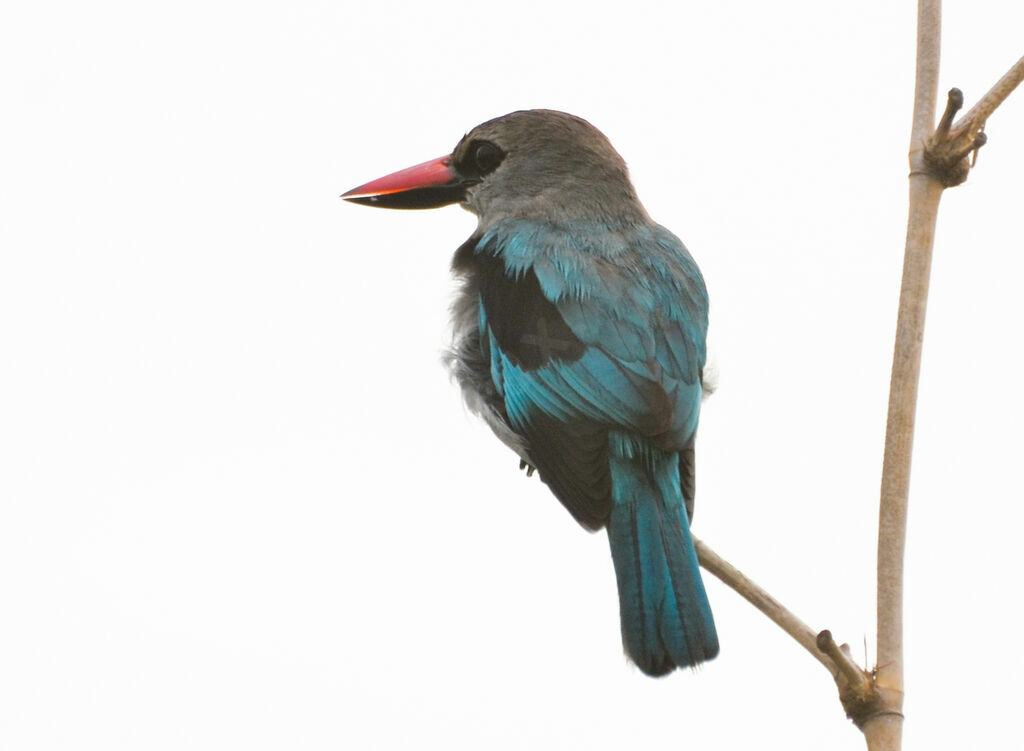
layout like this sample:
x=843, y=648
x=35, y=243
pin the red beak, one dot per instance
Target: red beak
x=425, y=186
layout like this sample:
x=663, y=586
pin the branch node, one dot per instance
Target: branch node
x=952, y=150
x=858, y=693
x=849, y=671
x=946, y=150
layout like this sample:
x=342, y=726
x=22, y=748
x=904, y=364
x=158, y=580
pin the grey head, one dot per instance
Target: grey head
x=531, y=164
x=544, y=164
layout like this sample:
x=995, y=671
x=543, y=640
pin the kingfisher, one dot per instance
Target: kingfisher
x=579, y=337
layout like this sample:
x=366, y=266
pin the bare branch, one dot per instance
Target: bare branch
x=947, y=149
x=883, y=731
x=938, y=159
x=859, y=695
x=926, y=86
x=977, y=115
x=764, y=602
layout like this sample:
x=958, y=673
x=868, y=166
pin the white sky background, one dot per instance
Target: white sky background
x=242, y=505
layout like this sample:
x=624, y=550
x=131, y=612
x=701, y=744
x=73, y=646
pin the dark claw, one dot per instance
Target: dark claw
x=530, y=469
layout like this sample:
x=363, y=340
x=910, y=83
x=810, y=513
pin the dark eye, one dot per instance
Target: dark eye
x=486, y=157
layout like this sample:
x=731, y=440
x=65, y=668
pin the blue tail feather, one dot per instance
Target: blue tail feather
x=666, y=618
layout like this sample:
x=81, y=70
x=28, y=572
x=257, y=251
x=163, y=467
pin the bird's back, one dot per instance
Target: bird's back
x=571, y=330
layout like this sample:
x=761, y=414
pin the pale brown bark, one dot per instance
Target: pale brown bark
x=938, y=159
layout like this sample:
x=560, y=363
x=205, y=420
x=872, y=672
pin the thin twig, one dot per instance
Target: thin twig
x=978, y=114
x=764, y=602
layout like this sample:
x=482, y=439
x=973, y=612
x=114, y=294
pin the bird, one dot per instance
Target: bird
x=579, y=337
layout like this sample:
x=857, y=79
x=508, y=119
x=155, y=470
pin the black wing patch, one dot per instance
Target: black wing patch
x=527, y=326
